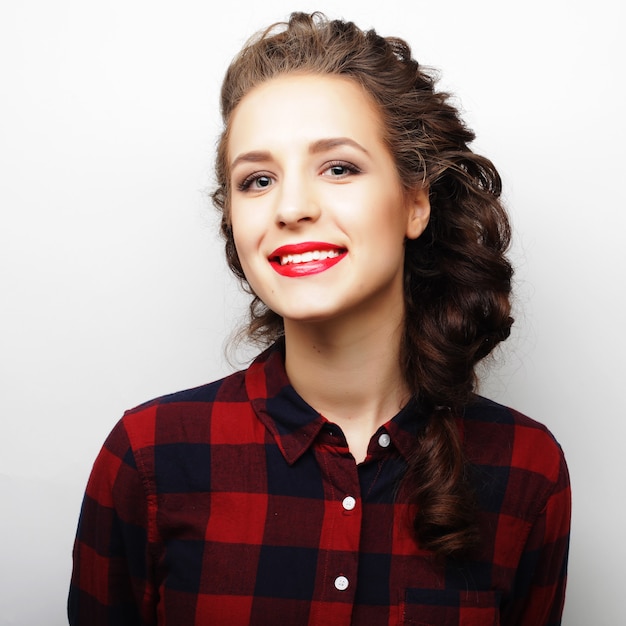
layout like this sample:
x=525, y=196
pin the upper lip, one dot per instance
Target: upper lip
x=301, y=248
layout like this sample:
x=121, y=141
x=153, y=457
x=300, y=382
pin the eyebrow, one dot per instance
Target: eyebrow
x=321, y=145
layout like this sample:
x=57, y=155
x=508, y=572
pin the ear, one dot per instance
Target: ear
x=418, y=212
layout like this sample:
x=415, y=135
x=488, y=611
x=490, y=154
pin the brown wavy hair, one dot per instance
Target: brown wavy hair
x=457, y=279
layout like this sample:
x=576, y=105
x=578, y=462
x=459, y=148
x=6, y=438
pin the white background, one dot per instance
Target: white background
x=112, y=284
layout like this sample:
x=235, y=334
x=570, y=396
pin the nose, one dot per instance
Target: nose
x=296, y=202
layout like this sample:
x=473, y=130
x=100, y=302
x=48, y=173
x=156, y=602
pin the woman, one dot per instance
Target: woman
x=350, y=475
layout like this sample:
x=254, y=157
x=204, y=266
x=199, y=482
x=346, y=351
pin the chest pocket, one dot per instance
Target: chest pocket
x=436, y=607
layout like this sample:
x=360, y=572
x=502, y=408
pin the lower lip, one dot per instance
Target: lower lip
x=295, y=270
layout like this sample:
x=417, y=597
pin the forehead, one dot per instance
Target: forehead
x=303, y=108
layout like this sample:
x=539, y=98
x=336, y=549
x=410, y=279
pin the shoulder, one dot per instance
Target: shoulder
x=488, y=411
x=171, y=442
x=186, y=415
x=499, y=436
x=229, y=388
x=485, y=415
x=222, y=411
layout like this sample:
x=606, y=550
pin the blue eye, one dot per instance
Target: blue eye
x=255, y=181
x=340, y=169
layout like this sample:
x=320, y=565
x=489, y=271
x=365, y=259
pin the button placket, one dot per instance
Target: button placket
x=341, y=532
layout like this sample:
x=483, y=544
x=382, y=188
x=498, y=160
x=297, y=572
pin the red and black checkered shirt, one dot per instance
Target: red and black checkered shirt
x=238, y=504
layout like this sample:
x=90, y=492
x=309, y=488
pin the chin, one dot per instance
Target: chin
x=306, y=317
x=306, y=312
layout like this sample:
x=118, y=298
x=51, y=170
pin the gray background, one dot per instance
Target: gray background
x=112, y=284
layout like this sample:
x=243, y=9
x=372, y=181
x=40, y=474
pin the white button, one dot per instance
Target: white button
x=348, y=503
x=341, y=583
x=384, y=440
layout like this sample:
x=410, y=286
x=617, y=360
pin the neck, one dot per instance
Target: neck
x=350, y=373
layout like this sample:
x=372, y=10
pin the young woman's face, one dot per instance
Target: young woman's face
x=319, y=215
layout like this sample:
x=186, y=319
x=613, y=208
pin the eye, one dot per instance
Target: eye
x=255, y=182
x=340, y=169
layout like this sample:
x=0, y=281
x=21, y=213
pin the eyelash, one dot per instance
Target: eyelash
x=351, y=169
x=246, y=183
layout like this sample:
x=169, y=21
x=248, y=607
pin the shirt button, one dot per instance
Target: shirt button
x=341, y=583
x=348, y=503
x=384, y=440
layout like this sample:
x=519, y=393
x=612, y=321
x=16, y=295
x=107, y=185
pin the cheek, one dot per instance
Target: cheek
x=244, y=229
x=247, y=240
x=243, y=252
x=382, y=217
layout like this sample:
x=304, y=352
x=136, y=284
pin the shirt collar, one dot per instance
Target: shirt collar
x=294, y=424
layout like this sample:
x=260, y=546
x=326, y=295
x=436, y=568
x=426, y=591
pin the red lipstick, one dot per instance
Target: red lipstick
x=306, y=258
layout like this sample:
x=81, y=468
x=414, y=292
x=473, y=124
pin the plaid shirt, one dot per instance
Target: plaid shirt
x=236, y=503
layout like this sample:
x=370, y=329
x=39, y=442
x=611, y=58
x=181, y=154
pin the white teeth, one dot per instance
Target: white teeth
x=307, y=257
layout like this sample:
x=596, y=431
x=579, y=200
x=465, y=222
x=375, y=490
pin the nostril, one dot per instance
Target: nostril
x=295, y=207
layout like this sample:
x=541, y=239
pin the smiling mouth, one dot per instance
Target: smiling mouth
x=307, y=257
